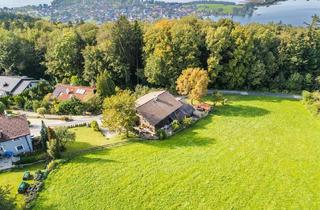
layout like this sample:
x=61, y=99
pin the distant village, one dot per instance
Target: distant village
x=147, y=10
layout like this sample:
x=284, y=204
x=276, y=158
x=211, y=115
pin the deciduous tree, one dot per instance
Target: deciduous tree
x=119, y=113
x=63, y=57
x=65, y=136
x=105, y=86
x=193, y=82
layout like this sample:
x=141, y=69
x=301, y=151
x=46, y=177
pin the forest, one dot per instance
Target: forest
x=272, y=57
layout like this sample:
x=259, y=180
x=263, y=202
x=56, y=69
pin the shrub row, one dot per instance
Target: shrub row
x=312, y=101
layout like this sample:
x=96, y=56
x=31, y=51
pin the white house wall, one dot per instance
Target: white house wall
x=25, y=142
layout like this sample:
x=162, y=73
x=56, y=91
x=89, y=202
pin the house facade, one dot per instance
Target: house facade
x=15, y=135
x=157, y=110
x=64, y=92
x=15, y=85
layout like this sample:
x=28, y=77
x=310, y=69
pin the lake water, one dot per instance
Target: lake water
x=295, y=12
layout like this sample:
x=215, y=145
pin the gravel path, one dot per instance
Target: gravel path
x=254, y=93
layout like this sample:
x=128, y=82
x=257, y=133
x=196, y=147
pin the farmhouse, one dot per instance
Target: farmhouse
x=15, y=135
x=11, y=85
x=65, y=92
x=159, y=109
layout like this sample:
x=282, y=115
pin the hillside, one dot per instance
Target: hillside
x=108, y=10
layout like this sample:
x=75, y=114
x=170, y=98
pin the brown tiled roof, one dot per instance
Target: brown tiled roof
x=157, y=106
x=65, y=92
x=13, y=127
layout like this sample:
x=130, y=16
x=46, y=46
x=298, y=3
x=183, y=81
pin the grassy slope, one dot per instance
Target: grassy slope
x=14, y=178
x=256, y=153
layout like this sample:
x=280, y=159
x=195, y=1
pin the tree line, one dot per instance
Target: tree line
x=272, y=57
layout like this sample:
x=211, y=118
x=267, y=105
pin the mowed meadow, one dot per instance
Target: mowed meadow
x=256, y=153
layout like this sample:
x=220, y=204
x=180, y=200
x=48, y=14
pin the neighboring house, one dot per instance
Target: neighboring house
x=65, y=92
x=15, y=135
x=14, y=85
x=159, y=109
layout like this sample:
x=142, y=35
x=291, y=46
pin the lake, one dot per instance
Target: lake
x=295, y=12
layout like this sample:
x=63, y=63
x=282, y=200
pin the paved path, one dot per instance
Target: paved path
x=54, y=121
x=255, y=93
x=5, y=163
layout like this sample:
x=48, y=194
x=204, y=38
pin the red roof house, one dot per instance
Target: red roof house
x=15, y=135
x=65, y=92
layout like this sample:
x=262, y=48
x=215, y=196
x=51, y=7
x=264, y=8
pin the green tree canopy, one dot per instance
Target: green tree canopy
x=63, y=57
x=119, y=113
x=105, y=86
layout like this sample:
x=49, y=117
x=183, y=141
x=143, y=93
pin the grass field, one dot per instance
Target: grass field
x=14, y=178
x=257, y=153
x=86, y=138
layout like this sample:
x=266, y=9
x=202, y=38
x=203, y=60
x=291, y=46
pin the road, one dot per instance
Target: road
x=55, y=121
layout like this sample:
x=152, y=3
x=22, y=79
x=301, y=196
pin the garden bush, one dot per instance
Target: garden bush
x=161, y=134
x=2, y=107
x=54, y=164
x=312, y=101
x=187, y=122
x=32, y=158
x=36, y=105
x=28, y=105
x=65, y=118
x=73, y=106
x=175, y=125
x=41, y=111
x=218, y=98
x=94, y=125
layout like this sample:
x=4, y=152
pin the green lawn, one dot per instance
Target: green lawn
x=14, y=178
x=257, y=153
x=86, y=138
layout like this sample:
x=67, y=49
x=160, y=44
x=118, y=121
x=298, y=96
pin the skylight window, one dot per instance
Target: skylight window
x=80, y=91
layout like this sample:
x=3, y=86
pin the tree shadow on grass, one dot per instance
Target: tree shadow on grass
x=241, y=111
x=76, y=145
x=238, y=98
x=88, y=160
x=272, y=99
x=189, y=137
x=178, y=141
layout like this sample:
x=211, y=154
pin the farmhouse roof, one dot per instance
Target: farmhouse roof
x=15, y=84
x=156, y=106
x=65, y=92
x=13, y=127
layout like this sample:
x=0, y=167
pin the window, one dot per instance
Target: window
x=80, y=91
x=19, y=148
